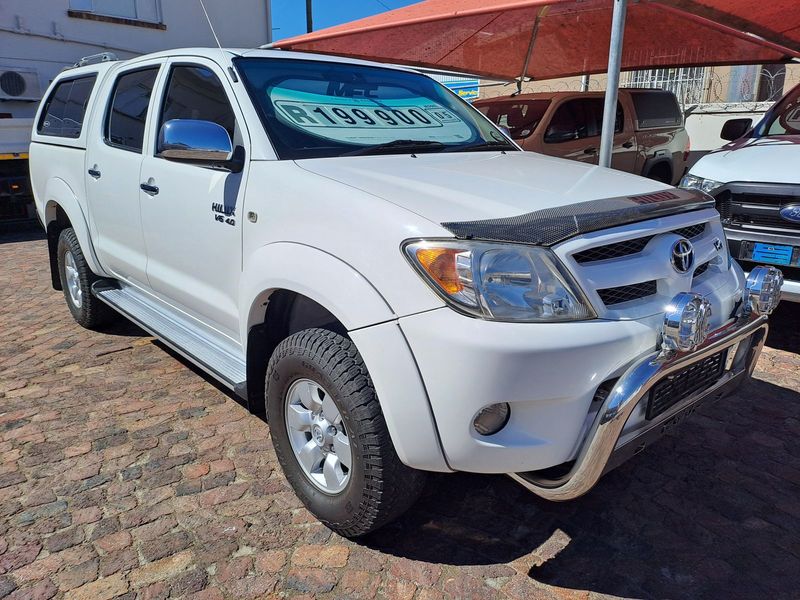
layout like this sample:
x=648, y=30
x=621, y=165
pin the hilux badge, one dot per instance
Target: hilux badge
x=682, y=255
x=791, y=213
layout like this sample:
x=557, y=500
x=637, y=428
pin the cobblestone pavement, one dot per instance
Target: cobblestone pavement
x=125, y=473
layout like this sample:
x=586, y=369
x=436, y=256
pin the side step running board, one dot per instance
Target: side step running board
x=220, y=364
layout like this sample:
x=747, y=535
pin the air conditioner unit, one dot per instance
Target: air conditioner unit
x=19, y=84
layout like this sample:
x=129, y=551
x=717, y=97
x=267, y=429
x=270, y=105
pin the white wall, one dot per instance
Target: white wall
x=39, y=34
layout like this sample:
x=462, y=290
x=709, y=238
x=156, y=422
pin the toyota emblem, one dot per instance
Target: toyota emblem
x=682, y=256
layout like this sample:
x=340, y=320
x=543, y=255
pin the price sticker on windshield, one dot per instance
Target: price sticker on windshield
x=365, y=120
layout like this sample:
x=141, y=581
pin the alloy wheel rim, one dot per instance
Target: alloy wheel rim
x=73, y=280
x=317, y=435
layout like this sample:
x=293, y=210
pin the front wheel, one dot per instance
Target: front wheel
x=330, y=435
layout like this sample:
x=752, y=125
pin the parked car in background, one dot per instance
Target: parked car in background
x=366, y=259
x=756, y=182
x=649, y=134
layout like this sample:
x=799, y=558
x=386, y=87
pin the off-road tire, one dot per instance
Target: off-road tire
x=92, y=313
x=380, y=487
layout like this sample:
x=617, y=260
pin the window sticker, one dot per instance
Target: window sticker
x=367, y=120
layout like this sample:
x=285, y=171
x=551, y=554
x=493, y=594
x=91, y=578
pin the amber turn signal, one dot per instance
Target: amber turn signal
x=440, y=263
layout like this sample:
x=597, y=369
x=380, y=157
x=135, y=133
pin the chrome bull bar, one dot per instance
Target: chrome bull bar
x=634, y=385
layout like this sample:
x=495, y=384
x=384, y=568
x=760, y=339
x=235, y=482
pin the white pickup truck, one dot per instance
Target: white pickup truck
x=364, y=257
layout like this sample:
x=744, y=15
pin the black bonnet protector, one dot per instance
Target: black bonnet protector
x=553, y=225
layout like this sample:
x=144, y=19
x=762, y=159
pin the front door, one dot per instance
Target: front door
x=191, y=214
x=113, y=161
x=572, y=132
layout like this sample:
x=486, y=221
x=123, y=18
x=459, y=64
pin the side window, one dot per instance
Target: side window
x=128, y=112
x=598, y=105
x=194, y=92
x=573, y=120
x=656, y=108
x=66, y=107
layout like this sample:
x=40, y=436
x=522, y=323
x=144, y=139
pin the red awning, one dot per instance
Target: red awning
x=492, y=37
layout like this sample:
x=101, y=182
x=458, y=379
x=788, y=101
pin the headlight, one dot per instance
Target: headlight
x=500, y=282
x=693, y=182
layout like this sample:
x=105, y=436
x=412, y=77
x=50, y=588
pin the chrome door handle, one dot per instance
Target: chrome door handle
x=94, y=173
x=149, y=189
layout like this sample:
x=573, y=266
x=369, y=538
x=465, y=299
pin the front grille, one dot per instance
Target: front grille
x=682, y=384
x=616, y=250
x=626, y=293
x=701, y=269
x=692, y=231
x=758, y=205
x=762, y=220
x=628, y=247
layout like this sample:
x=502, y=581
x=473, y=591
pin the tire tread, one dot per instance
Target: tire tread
x=390, y=486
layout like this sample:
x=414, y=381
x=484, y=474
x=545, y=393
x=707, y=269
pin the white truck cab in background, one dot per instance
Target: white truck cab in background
x=363, y=256
x=755, y=180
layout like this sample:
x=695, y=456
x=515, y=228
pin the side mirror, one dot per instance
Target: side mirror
x=198, y=142
x=733, y=129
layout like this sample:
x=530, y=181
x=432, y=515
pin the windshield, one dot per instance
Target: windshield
x=784, y=118
x=315, y=109
x=521, y=117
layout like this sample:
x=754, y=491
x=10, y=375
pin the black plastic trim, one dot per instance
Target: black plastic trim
x=554, y=225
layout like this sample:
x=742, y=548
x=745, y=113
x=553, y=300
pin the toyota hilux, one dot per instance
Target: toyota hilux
x=376, y=267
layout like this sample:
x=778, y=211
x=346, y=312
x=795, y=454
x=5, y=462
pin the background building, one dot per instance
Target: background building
x=38, y=38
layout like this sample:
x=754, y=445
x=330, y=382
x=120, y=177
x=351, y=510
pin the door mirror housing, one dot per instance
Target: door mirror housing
x=199, y=142
x=733, y=129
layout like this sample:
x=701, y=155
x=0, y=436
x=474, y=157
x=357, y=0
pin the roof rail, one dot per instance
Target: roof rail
x=96, y=58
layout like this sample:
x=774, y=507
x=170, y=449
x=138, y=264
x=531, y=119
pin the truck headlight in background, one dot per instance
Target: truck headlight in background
x=693, y=182
x=500, y=282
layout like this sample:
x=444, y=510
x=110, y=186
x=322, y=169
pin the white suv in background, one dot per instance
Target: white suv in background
x=364, y=257
x=756, y=182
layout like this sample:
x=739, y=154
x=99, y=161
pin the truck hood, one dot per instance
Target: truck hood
x=771, y=159
x=471, y=186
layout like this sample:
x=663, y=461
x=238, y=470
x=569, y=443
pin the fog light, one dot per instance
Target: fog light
x=762, y=292
x=686, y=322
x=492, y=419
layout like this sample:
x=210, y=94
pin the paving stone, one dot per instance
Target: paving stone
x=102, y=589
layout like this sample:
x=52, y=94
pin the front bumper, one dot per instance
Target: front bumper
x=791, y=287
x=549, y=374
x=605, y=445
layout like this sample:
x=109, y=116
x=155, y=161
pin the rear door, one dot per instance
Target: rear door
x=193, y=222
x=113, y=162
x=624, y=150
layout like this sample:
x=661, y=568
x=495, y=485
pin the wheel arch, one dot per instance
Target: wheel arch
x=287, y=287
x=661, y=164
x=290, y=287
x=62, y=210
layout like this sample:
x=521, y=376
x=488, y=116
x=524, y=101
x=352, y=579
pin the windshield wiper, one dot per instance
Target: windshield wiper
x=489, y=145
x=407, y=145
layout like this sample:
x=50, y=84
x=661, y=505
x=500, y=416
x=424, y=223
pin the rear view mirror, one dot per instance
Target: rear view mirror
x=197, y=142
x=733, y=129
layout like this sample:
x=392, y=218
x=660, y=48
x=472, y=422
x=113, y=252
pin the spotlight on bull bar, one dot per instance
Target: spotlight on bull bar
x=686, y=322
x=762, y=292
